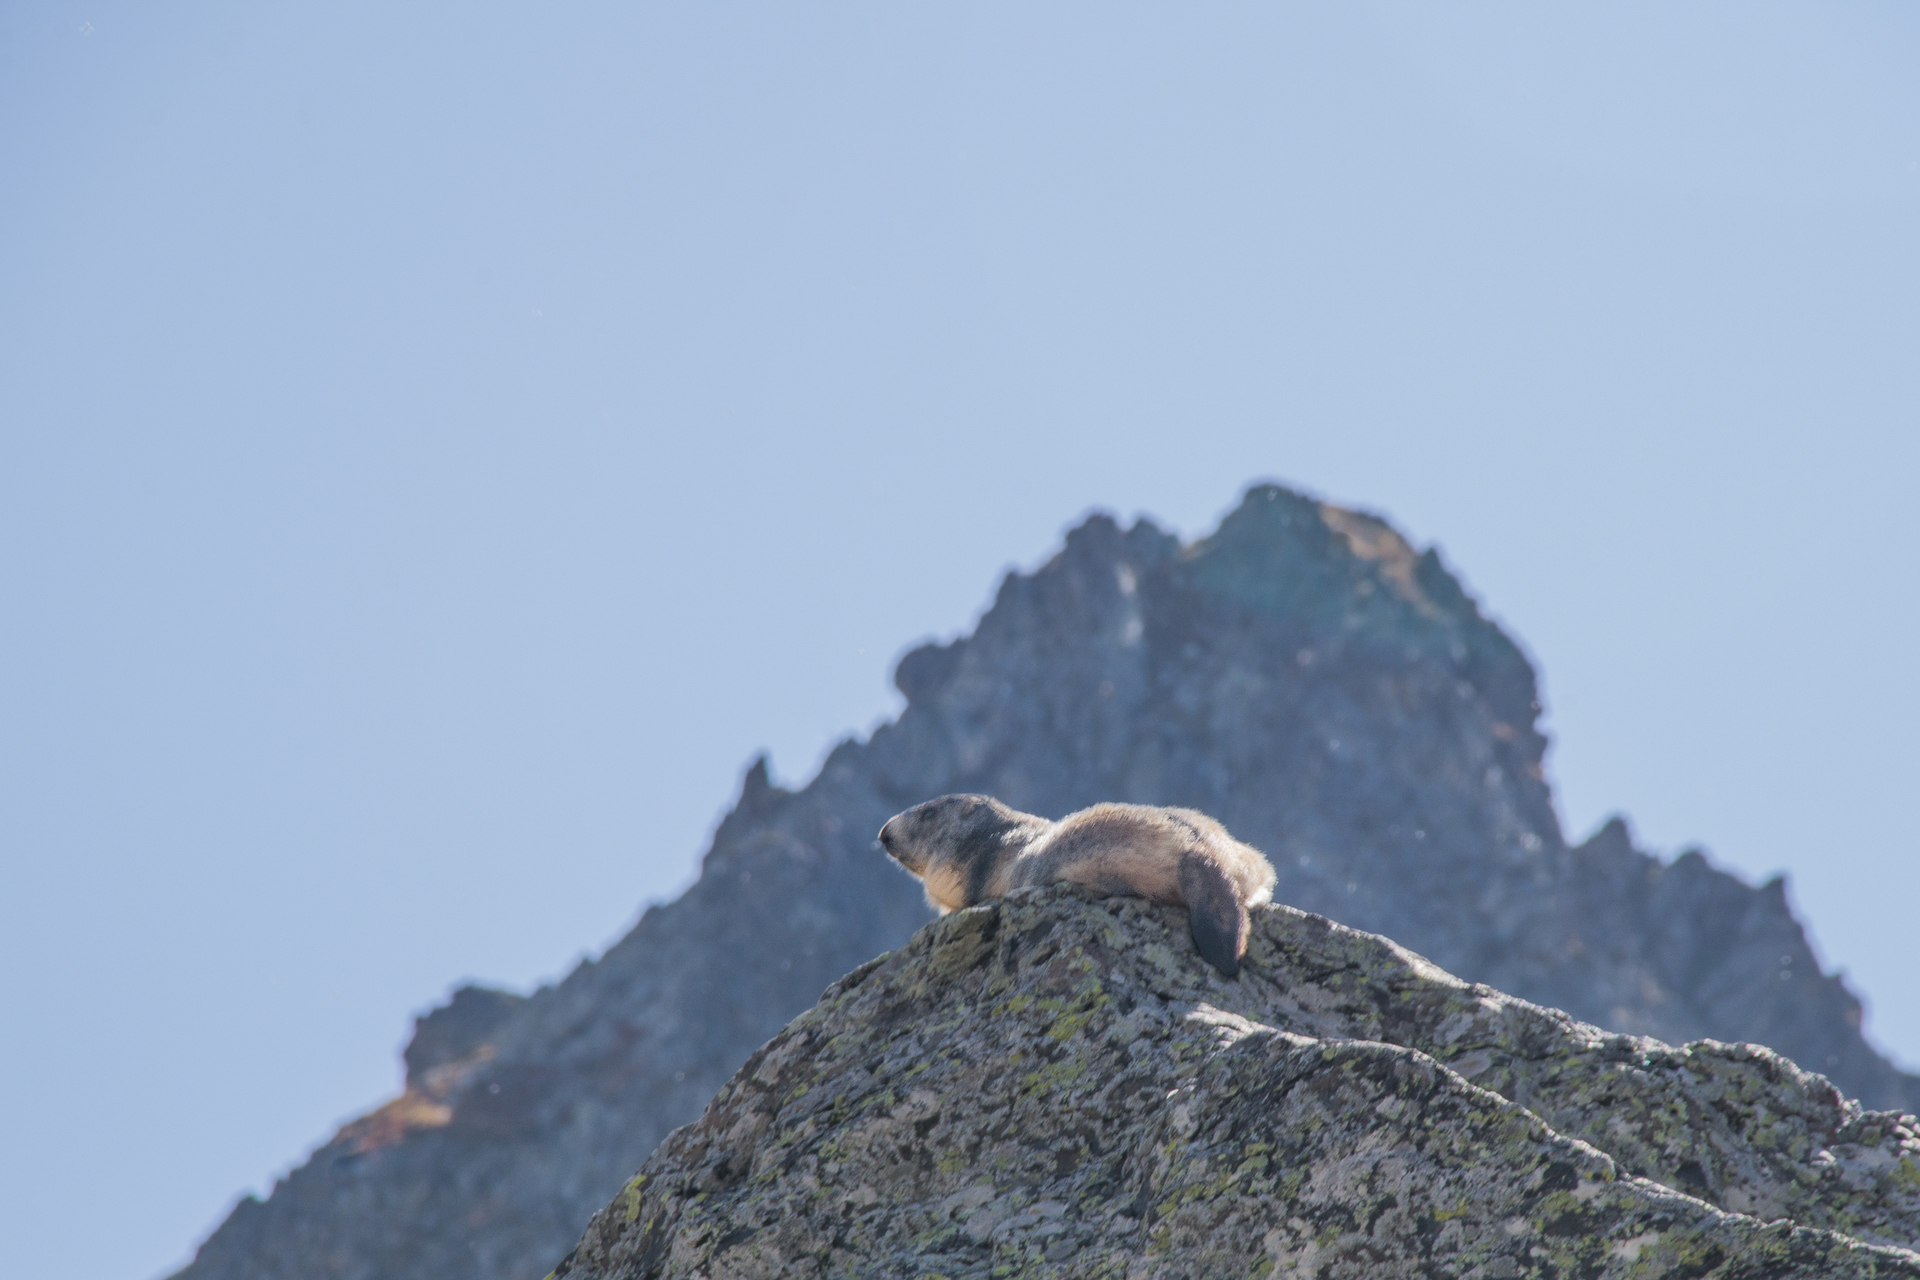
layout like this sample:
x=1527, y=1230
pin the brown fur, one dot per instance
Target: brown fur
x=968, y=848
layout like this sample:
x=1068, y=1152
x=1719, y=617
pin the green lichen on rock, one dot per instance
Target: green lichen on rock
x=1054, y=1085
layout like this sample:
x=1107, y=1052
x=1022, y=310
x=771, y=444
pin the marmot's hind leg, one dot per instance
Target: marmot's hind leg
x=1215, y=913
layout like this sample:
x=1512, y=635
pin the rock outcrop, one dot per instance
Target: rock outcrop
x=1303, y=674
x=1056, y=1085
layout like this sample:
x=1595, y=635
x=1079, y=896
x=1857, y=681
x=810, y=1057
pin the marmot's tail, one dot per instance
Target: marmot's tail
x=1215, y=913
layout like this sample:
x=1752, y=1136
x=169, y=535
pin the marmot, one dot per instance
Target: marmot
x=967, y=848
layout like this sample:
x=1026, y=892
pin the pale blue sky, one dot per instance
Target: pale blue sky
x=440, y=444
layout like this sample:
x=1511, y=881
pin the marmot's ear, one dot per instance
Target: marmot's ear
x=977, y=848
x=1215, y=915
x=978, y=841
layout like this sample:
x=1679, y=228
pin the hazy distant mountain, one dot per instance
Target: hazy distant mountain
x=1329, y=693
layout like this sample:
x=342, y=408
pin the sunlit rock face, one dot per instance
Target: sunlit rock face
x=1303, y=674
x=1057, y=1085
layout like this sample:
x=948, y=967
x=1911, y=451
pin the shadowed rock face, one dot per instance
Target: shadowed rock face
x=456, y=1032
x=1303, y=675
x=1056, y=1085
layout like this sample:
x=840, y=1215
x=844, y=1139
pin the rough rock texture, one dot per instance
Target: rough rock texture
x=1057, y=1085
x=1330, y=694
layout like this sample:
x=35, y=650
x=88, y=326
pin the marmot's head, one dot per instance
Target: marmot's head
x=953, y=844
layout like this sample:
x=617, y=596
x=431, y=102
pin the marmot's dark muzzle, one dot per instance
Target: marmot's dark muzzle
x=891, y=842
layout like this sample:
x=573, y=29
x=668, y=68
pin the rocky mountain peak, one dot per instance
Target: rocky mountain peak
x=1304, y=674
x=1055, y=1084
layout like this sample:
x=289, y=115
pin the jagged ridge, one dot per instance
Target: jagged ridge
x=1332, y=695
